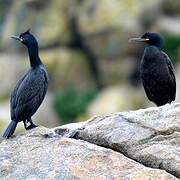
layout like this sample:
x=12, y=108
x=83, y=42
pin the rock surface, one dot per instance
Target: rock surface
x=114, y=99
x=150, y=136
x=32, y=156
x=117, y=146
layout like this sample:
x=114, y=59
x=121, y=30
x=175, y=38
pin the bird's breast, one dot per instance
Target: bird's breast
x=152, y=62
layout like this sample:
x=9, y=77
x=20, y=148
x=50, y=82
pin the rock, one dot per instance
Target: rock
x=16, y=66
x=112, y=13
x=150, y=136
x=105, y=16
x=67, y=67
x=46, y=115
x=100, y=15
x=19, y=19
x=64, y=68
x=171, y=7
x=168, y=25
x=32, y=156
x=114, y=99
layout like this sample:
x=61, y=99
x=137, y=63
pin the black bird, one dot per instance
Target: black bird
x=156, y=70
x=30, y=89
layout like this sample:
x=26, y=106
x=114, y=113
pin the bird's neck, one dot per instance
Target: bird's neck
x=158, y=44
x=159, y=47
x=34, y=56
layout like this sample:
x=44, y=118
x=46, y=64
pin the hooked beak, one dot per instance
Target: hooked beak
x=17, y=38
x=138, y=40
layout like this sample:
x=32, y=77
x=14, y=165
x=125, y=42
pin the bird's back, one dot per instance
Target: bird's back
x=157, y=75
x=29, y=93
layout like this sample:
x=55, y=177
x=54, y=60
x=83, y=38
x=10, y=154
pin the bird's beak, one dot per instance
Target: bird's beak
x=138, y=40
x=17, y=38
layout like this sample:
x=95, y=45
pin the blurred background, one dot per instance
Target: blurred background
x=84, y=45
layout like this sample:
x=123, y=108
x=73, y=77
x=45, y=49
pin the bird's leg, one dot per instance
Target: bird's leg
x=31, y=126
x=25, y=124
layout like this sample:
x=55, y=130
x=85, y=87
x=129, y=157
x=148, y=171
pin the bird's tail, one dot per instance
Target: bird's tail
x=10, y=129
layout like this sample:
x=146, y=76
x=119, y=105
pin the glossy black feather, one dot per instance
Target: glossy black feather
x=29, y=93
x=158, y=76
x=30, y=90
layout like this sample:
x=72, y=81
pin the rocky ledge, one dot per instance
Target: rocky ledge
x=142, y=144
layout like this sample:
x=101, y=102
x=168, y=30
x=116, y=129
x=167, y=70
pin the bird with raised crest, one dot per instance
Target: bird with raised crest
x=30, y=90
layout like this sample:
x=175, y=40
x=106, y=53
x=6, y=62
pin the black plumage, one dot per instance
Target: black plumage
x=30, y=89
x=157, y=71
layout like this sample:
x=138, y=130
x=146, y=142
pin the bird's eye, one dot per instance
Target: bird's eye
x=22, y=39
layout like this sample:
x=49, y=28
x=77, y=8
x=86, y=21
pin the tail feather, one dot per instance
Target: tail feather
x=10, y=129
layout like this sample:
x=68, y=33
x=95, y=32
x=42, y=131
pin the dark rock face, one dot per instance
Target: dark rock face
x=107, y=149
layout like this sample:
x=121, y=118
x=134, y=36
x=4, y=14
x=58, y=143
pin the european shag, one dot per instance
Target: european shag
x=30, y=90
x=156, y=70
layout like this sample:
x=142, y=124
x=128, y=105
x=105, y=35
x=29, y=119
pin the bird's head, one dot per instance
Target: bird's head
x=151, y=39
x=27, y=39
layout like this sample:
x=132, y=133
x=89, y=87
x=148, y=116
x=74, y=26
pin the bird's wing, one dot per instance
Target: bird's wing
x=170, y=65
x=28, y=94
x=172, y=72
x=13, y=102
